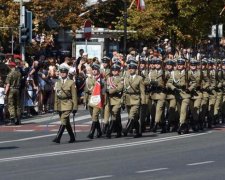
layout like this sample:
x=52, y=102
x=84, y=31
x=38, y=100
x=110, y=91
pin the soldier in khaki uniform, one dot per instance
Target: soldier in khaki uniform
x=219, y=92
x=144, y=108
x=65, y=103
x=94, y=109
x=134, y=96
x=13, y=95
x=212, y=92
x=196, y=94
x=179, y=83
x=158, y=96
x=114, y=93
x=171, y=102
x=223, y=90
x=106, y=73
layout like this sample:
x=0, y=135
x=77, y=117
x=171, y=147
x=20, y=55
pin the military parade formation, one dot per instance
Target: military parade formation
x=166, y=94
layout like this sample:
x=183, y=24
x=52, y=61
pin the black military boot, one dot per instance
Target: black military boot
x=105, y=128
x=118, y=128
x=99, y=131
x=110, y=129
x=18, y=121
x=59, y=134
x=71, y=134
x=92, y=130
x=11, y=122
x=181, y=129
x=128, y=127
x=137, y=128
x=164, y=128
x=154, y=129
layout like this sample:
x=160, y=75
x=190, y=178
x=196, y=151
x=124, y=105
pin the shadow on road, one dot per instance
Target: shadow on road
x=8, y=147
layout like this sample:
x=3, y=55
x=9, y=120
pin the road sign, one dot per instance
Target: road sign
x=87, y=29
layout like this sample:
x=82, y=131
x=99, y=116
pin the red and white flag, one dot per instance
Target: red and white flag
x=96, y=98
x=140, y=5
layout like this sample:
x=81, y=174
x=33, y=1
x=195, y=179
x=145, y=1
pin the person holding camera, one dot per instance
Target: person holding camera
x=65, y=103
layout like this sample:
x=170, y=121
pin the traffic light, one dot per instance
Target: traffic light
x=26, y=30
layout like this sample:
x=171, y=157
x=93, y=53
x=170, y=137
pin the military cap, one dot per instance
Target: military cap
x=12, y=64
x=194, y=62
x=211, y=62
x=131, y=58
x=63, y=68
x=142, y=60
x=156, y=61
x=105, y=59
x=117, y=61
x=150, y=60
x=115, y=67
x=180, y=61
x=223, y=62
x=204, y=61
x=95, y=66
x=132, y=65
x=170, y=62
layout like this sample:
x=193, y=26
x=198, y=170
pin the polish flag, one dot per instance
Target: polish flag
x=96, y=97
x=140, y=5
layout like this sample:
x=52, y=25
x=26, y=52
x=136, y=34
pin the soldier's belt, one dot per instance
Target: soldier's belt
x=64, y=98
x=132, y=93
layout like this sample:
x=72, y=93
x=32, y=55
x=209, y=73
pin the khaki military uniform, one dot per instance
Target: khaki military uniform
x=14, y=106
x=158, y=95
x=196, y=97
x=212, y=96
x=106, y=111
x=219, y=96
x=94, y=110
x=171, y=103
x=178, y=81
x=65, y=99
x=205, y=96
x=144, y=111
x=134, y=94
x=115, y=90
x=223, y=100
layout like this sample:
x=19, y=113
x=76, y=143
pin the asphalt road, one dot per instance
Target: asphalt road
x=30, y=155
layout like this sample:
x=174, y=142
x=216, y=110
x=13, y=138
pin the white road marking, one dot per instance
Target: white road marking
x=10, y=126
x=47, y=125
x=24, y=130
x=116, y=146
x=200, y=163
x=98, y=177
x=152, y=170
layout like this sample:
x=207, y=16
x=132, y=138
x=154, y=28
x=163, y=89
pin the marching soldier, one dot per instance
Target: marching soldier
x=158, y=96
x=196, y=95
x=223, y=90
x=219, y=92
x=94, y=101
x=180, y=85
x=106, y=73
x=170, y=98
x=205, y=95
x=13, y=95
x=134, y=97
x=114, y=93
x=65, y=103
x=212, y=92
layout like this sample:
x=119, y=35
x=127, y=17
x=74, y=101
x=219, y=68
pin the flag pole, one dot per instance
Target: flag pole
x=222, y=11
x=131, y=4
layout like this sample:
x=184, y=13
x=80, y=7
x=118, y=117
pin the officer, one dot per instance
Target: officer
x=65, y=103
x=205, y=95
x=106, y=111
x=180, y=85
x=171, y=103
x=114, y=91
x=158, y=96
x=196, y=95
x=13, y=95
x=134, y=97
x=93, y=103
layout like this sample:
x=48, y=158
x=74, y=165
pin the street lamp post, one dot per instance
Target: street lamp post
x=125, y=30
